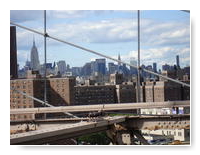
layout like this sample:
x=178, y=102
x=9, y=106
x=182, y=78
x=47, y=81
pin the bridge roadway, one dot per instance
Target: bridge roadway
x=64, y=131
x=56, y=129
x=104, y=107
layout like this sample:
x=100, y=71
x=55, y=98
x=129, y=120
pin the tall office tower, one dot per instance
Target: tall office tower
x=155, y=67
x=119, y=67
x=35, y=63
x=134, y=63
x=101, y=66
x=148, y=75
x=93, y=67
x=62, y=66
x=13, y=53
x=112, y=68
x=177, y=61
x=86, y=69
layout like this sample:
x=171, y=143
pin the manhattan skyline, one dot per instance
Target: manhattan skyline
x=164, y=34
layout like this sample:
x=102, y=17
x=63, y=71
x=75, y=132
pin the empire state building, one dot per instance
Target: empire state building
x=35, y=63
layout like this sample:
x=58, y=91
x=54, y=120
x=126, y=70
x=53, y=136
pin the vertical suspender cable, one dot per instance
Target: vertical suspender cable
x=45, y=58
x=138, y=67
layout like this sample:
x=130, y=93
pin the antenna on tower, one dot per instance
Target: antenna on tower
x=33, y=40
x=27, y=57
x=119, y=58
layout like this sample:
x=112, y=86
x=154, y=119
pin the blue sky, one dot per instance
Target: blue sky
x=164, y=34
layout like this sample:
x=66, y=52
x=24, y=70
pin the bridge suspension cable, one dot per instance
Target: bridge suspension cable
x=99, y=54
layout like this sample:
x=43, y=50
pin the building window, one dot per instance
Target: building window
x=179, y=134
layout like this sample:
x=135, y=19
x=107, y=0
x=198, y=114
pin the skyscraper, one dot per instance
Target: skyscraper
x=177, y=61
x=101, y=63
x=13, y=53
x=134, y=63
x=119, y=67
x=86, y=69
x=35, y=63
x=119, y=58
x=155, y=67
x=62, y=66
x=112, y=68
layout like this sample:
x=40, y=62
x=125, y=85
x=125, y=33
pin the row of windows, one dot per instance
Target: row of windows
x=94, y=89
x=16, y=117
x=104, y=95
x=170, y=133
x=58, y=81
x=127, y=88
x=94, y=101
x=21, y=86
x=21, y=82
x=25, y=100
x=93, y=93
x=20, y=106
x=17, y=97
x=13, y=93
x=57, y=86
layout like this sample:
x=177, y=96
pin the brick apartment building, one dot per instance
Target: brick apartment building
x=60, y=92
x=126, y=93
x=20, y=101
x=63, y=91
x=149, y=91
x=160, y=91
x=167, y=91
x=95, y=94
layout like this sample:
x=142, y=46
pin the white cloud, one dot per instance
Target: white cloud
x=66, y=13
x=164, y=40
x=185, y=60
x=111, y=30
x=32, y=15
x=25, y=15
x=160, y=55
x=25, y=39
x=104, y=31
x=185, y=50
x=123, y=30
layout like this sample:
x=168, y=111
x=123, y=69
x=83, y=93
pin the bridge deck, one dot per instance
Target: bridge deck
x=104, y=107
x=54, y=129
x=69, y=130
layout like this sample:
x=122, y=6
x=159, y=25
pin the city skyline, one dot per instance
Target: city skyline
x=109, y=32
x=63, y=67
x=55, y=84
